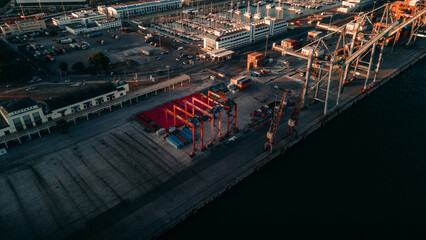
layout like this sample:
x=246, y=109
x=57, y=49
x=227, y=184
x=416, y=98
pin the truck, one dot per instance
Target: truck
x=75, y=46
x=146, y=52
x=66, y=40
x=56, y=50
x=255, y=74
x=82, y=45
x=50, y=58
x=51, y=51
x=96, y=34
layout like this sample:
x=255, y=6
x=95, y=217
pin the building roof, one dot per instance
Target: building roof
x=88, y=92
x=145, y=4
x=18, y=104
x=254, y=54
x=3, y=123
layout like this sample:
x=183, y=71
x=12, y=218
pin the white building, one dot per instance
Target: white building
x=352, y=5
x=24, y=113
x=243, y=35
x=91, y=95
x=83, y=17
x=92, y=27
x=20, y=114
x=31, y=2
x=121, y=11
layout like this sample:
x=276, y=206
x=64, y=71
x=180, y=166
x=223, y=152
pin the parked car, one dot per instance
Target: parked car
x=31, y=88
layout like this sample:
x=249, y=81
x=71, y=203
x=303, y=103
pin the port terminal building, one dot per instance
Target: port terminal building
x=122, y=10
x=83, y=17
x=243, y=35
x=49, y=2
x=24, y=113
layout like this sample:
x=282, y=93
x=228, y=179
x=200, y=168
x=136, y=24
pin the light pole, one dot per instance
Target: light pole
x=168, y=72
x=266, y=46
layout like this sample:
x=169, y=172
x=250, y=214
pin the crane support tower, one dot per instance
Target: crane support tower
x=271, y=134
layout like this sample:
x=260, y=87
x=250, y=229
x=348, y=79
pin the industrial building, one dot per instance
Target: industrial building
x=243, y=35
x=94, y=94
x=37, y=2
x=22, y=25
x=86, y=21
x=121, y=11
x=219, y=55
x=97, y=25
x=20, y=114
x=83, y=17
x=352, y=5
x=23, y=113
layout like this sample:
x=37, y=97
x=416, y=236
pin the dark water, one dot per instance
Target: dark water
x=363, y=176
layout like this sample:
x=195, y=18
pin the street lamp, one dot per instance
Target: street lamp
x=266, y=46
x=168, y=72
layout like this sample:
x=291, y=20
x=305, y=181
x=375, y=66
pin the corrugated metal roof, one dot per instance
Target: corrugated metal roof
x=146, y=4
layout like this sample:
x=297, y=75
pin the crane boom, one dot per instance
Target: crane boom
x=271, y=134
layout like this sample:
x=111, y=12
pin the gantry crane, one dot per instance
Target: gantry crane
x=228, y=105
x=194, y=119
x=211, y=118
x=188, y=123
x=212, y=109
x=271, y=134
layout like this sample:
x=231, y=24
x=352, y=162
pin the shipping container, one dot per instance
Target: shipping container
x=186, y=136
x=172, y=142
x=189, y=132
x=96, y=34
x=181, y=138
x=177, y=140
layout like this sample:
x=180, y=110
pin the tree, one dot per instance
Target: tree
x=78, y=66
x=63, y=66
x=98, y=60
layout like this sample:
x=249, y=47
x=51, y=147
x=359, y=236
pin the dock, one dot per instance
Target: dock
x=111, y=178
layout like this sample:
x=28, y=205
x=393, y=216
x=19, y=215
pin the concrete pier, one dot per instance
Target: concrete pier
x=108, y=178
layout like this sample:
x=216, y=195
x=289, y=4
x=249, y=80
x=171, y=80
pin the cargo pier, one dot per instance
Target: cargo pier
x=112, y=178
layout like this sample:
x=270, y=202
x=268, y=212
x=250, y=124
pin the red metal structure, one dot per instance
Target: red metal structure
x=211, y=118
x=194, y=119
x=169, y=112
x=212, y=109
x=228, y=105
x=271, y=134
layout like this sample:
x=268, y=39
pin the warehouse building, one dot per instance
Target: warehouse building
x=83, y=17
x=22, y=25
x=121, y=11
x=37, y=2
x=246, y=34
x=97, y=25
x=92, y=95
x=20, y=114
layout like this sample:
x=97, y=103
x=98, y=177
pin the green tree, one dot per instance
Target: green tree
x=63, y=66
x=98, y=60
x=78, y=66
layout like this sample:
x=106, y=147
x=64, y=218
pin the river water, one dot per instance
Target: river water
x=363, y=175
